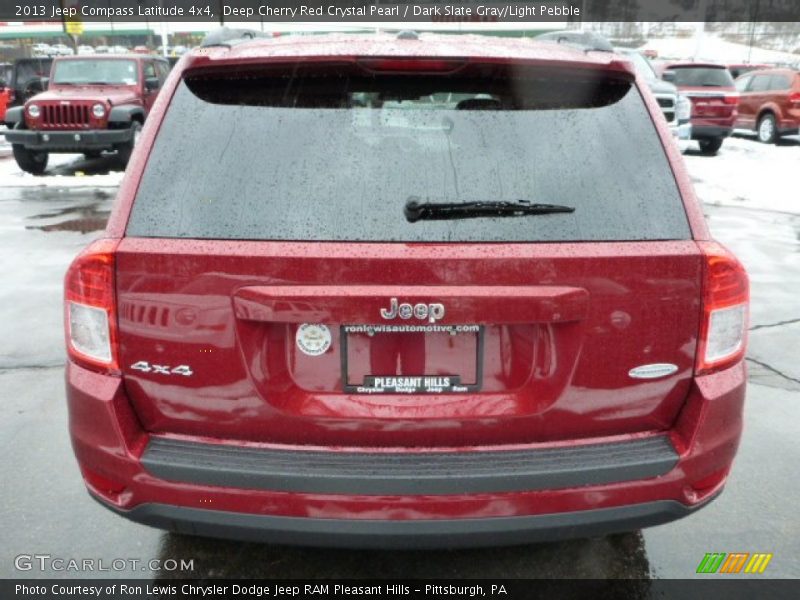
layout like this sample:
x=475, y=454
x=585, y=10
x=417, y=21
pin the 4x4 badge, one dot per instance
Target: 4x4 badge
x=146, y=367
x=433, y=312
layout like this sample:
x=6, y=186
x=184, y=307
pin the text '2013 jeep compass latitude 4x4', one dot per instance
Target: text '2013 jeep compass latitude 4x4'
x=415, y=291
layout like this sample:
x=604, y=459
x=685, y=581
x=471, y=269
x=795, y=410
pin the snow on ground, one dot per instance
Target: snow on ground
x=64, y=170
x=748, y=174
x=714, y=49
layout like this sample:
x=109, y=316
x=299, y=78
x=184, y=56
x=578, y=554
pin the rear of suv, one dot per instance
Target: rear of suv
x=714, y=100
x=769, y=103
x=427, y=291
x=92, y=104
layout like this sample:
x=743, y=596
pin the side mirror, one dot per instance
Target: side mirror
x=668, y=76
x=152, y=83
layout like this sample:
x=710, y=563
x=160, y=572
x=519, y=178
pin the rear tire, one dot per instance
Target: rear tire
x=28, y=160
x=710, y=146
x=767, y=129
x=124, y=151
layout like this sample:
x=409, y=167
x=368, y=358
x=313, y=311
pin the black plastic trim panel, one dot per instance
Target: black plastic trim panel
x=423, y=533
x=399, y=473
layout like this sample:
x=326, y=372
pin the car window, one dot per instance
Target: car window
x=95, y=71
x=702, y=76
x=337, y=157
x=779, y=83
x=28, y=69
x=741, y=84
x=149, y=70
x=761, y=83
x=163, y=71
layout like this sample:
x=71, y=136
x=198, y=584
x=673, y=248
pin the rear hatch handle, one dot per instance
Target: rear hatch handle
x=364, y=304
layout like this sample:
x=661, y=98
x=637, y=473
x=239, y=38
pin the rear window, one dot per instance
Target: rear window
x=702, y=76
x=335, y=155
x=780, y=82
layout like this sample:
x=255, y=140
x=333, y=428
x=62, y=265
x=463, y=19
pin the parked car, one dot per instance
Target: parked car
x=6, y=73
x=769, y=103
x=714, y=100
x=93, y=104
x=83, y=50
x=494, y=314
x=675, y=106
x=4, y=93
x=40, y=50
x=25, y=78
x=62, y=50
x=101, y=49
x=739, y=69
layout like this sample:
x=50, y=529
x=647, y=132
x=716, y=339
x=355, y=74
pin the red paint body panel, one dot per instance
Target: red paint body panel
x=563, y=378
x=4, y=97
x=108, y=440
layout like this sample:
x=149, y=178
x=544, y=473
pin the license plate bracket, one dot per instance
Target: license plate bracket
x=423, y=383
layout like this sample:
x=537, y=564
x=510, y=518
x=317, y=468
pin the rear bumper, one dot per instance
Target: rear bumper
x=247, y=491
x=67, y=141
x=408, y=473
x=407, y=534
x=682, y=131
x=711, y=131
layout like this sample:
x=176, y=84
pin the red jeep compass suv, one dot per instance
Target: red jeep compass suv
x=414, y=291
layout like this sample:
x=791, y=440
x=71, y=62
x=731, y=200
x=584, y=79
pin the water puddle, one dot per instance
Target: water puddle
x=81, y=210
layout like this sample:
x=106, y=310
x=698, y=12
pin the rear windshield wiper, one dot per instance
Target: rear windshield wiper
x=417, y=211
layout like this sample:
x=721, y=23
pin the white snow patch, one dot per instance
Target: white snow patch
x=748, y=174
x=12, y=176
x=714, y=49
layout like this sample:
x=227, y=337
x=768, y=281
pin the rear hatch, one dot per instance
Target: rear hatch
x=712, y=93
x=273, y=288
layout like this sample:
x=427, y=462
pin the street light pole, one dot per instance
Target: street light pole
x=164, y=35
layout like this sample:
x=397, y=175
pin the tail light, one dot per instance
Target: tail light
x=726, y=300
x=732, y=99
x=90, y=312
x=794, y=97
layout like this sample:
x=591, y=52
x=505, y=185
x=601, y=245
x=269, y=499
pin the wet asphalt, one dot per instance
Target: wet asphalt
x=46, y=510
